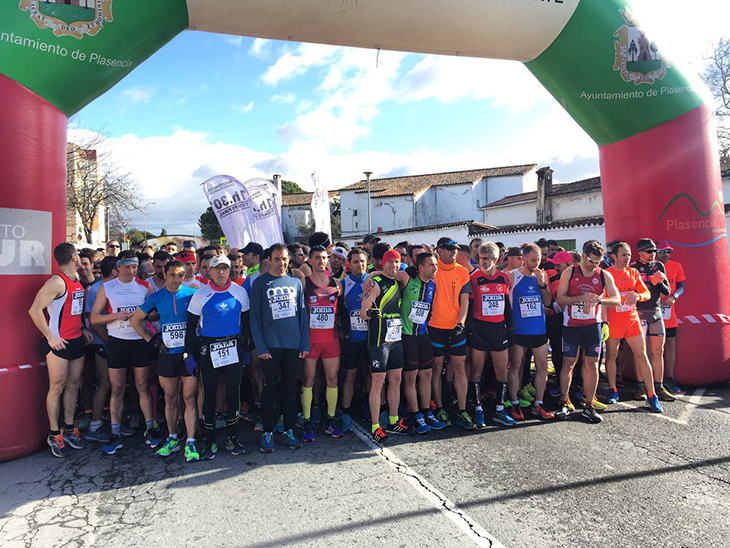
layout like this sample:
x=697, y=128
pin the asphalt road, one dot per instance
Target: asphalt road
x=638, y=479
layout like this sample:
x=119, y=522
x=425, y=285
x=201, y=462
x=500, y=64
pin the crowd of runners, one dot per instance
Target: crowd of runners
x=180, y=344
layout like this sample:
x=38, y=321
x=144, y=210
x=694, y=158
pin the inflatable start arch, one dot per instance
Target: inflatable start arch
x=656, y=137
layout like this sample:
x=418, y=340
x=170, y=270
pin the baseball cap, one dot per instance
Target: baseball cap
x=253, y=247
x=562, y=257
x=646, y=244
x=663, y=245
x=185, y=257
x=465, y=248
x=188, y=243
x=220, y=260
x=514, y=252
x=447, y=243
x=369, y=239
x=340, y=252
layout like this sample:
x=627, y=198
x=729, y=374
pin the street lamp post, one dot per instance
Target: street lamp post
x=144, y=209
x=370, y=221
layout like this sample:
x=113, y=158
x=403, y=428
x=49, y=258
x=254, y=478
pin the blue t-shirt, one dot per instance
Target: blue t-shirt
x=352, y=290
x=219, y=310
x=173, y=311
x=88, y=305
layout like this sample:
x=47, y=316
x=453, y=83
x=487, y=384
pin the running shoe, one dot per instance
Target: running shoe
x=234, y=446
x=300, y=420
x=151, y=439
x=126, y=431
x=315, y=415
x=100, y=434
x=379, y=435
x=57, y=445
x=73, y=439
x=85, y=423
x=571, y=406
x=655, y=405
x=135, y=421
x=433, y=422
x=671, y=384
x=398, y=428
x=267, y=442
x=555, y=392
x=530, y=389
x=171, y=446
x=332, y=429
x=589, y=414
x=279, y=425
x=525, y=403
x=540, y=411
x=563, y=411
x=346, y=423
x=191, y=453
x=209, y=451
x=479, y=418
x=612, y=396
x=290, y=440
x=258, y=427
x=579, y=395
x=308, y=435
x=252, y=414
x=443, y=417
x=420, y=424
x=640, y=393
x=664, y=394
x=597, y=405
x=115, y=443
x=220, y=421
x=516, y=413
x=503, y=418
x=551, y=369
x=465, y=421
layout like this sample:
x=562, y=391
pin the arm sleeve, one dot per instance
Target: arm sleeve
x=246, y=329
x=191, y=337
x=256, y=320
x=303, y=321
x=642, y=290
x=664, y=287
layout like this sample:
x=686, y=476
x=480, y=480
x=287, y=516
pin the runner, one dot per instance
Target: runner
x=187, y=258
x=474, y=246
x=355, y=328
x=252, y=254
x=529, y=292
x=446, y=329
x=382, y=310
x=296, y=252
x=490, y=330
x=237, y=275
x=368, y=242
x=171, y=248
x=159, y=260
x=113, y=248
x=218, y=320
x=121, y=297
x=63, y=345
x=463, y=257
x=173, y=365
x=675, y=274
x=514, y=259
x=337, y=263
x=203, y=275
x=281, y=337
x=624, y=323
x=418, y=292
x=584, y=289
x=321, y=293
x=554, y=315
x=85, y=270
x=99, y=349
x=654, y=277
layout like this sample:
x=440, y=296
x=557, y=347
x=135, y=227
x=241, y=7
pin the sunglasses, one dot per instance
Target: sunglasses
x=593, y=261
x=113, y=246
x=665, y=251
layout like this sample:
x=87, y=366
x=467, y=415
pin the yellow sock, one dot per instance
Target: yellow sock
x=330, y=395
x=307, y=402
x=375, y=427
x=392, y=419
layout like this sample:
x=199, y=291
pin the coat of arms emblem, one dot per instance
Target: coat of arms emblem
x=637, y=58
x=69, y=17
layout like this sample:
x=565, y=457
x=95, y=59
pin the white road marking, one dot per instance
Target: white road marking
x=462, y=520
x=683, y=417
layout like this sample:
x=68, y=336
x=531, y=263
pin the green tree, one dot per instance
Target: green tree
x=290, y=187
x=336, y=218
x=137, y=237
x=209, y=227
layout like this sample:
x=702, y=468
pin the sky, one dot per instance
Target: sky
x=209, y=104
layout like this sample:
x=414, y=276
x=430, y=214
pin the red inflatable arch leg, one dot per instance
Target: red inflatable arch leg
x=32, y=221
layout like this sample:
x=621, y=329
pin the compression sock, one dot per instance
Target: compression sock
x=331, y=397
x=477, y=393
x=307, y=402
x=501, y=394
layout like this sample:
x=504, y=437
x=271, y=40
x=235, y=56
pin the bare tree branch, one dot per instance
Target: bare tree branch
x=717, y=77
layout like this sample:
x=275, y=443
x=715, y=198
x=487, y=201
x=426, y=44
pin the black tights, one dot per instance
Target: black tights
x=209, y=377
x=280, y=387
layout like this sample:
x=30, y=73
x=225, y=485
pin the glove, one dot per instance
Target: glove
x=157, y=344
x=458, y=330
x=374, y=313
x=191, y=365
x=604, y=332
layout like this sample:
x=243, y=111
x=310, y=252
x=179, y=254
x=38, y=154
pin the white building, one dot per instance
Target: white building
x=404, y=203
x=296, y=213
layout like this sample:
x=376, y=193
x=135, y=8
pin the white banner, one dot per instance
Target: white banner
x=265, y=201
x=231, y=204
x=321, y=206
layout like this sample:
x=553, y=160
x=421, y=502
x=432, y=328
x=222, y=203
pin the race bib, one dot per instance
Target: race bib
x=356, y=321
x=492, y=305
x=322, y=317
x=625, y=307
x=283, y=306
x=394, y=329
x=666, y=312
x=419, y=312
x=124, y=324
x=583, y=311
x=224, y=353
x=173, y=335
x=530, y=307
x=77, y=303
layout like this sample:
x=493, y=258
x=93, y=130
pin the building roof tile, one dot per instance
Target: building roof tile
x=303, y=198
x=586, y=185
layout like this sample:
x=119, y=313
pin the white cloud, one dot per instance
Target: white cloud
x=243, y=109
x=283, y=98
x=298, y=62
x=235, y=41
x=138, y=94
x=260, y=48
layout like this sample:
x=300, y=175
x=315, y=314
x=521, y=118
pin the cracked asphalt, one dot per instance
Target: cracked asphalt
x=638, y=479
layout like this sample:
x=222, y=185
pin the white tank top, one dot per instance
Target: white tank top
x=124, y=296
